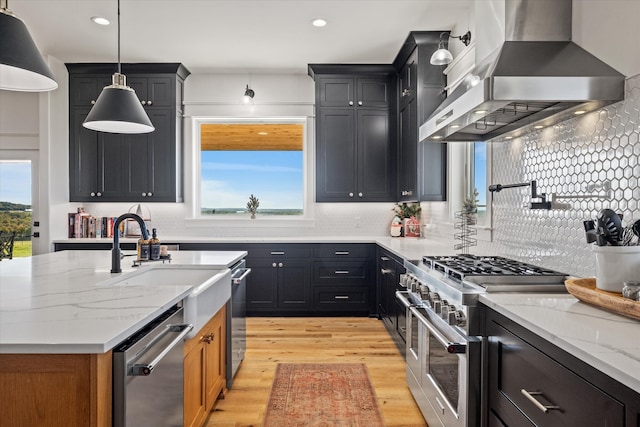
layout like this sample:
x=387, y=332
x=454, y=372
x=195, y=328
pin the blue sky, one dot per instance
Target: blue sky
x=480, y=178
x=15, y=182
x=229, y=177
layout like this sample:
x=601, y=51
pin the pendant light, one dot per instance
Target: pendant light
x=118, y=109
x=22, y=67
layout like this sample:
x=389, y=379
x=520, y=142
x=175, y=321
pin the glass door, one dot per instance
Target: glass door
x=16, y=204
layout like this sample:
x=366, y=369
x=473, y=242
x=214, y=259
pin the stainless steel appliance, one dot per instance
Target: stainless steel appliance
x=148, y=374
x=236, y=320
x=444, y=346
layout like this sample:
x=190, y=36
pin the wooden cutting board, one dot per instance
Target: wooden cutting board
x=585, y=290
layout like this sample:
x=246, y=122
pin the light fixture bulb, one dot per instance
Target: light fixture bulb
x=319, y=22
x=100, y=20
x=579, y=112
x=441, y=56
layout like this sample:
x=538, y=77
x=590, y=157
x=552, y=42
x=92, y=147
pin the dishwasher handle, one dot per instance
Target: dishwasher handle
x=238, y=280
x=145, y=369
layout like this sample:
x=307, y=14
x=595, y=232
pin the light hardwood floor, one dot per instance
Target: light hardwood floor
x=316, y=340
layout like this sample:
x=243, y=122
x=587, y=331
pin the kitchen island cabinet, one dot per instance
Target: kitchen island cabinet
x=204, y=370
x=107, y=167
x=355, y=132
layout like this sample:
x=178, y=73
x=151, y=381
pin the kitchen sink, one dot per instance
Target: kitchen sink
x=211, y=288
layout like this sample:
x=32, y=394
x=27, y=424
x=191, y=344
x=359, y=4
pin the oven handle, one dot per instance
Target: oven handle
x=144, y=369
x=400, y=296
x=451, y=347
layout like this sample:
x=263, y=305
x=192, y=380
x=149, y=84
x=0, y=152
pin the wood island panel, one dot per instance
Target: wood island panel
x=55, y=390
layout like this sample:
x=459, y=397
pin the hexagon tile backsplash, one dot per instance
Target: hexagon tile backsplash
x=575, y=157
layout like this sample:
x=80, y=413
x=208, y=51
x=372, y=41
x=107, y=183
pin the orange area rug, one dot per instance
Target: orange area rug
x=322, y=395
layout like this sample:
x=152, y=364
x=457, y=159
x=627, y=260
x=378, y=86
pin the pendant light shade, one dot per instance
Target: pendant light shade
x=118, y=109
x=441, y=56
x=22, y=67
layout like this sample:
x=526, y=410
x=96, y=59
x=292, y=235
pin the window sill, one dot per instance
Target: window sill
x=258, y=222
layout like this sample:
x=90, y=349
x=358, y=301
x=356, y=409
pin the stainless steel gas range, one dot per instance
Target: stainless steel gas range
x=443, y=338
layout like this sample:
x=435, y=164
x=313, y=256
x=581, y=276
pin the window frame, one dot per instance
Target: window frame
x=193, y=173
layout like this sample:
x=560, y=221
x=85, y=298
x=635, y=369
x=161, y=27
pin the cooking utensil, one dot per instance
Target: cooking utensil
x=636, y=229
x=610, y=225
x=590, y=231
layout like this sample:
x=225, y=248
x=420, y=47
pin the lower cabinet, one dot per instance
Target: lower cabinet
x=531, y=382
x=390, y=311
x=204, y=370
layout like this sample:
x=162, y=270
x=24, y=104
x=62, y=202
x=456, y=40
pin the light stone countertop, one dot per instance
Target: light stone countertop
x=57, y=302
x=604, y=340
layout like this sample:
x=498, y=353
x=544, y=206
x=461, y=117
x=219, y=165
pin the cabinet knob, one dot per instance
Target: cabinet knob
x=99, y=194
x=143, y=102
x=360, y=103
x=360, y=194
x=350, y=194
x=144, y=194
x=149, y=102
x=93, y=101
x=274, y=265
x=351, y=103
x=149, y=194
x=209, y=338
x=280, y=265
x=93, y=194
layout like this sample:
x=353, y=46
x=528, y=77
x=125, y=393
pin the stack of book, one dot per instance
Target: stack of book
x=82, y=225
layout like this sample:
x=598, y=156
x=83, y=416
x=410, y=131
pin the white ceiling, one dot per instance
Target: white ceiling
x=235, y=35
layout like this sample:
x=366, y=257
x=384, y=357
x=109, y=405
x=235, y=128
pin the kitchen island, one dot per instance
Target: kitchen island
x=60, y=316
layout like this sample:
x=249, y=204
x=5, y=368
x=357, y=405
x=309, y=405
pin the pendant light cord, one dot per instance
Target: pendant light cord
x=119, y=68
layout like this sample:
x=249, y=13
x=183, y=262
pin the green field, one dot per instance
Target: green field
x=21, y=248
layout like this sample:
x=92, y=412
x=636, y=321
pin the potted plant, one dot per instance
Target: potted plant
x=409, y=214
x=252, y=206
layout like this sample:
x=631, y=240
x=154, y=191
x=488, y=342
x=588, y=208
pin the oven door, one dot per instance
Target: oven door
x=402, y=307
x=449, y=370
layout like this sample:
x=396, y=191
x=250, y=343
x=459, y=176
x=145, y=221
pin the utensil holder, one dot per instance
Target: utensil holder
x=615, y=265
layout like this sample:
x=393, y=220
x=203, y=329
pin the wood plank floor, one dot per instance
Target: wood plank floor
x=316, y=340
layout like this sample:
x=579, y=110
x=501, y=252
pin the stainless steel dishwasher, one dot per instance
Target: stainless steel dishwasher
x=236, y=320
x=148, y=374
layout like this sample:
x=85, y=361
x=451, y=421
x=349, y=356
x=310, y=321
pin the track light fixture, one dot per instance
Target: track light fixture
x=442, y=56
x=22, y=67
x=248, y=95
x=118, y=109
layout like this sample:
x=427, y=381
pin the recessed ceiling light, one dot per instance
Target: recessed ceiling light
x=319, y=22
x=480, y=111
x=577, y=113
x=538, y=127
x=508, y=137
x=100, y=20
x=455, y=126
x=437, y=137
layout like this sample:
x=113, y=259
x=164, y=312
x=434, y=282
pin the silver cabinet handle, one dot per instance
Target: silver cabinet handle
x=280, y=265
x=277, y=253
x=350, y=194
x=99, y=194
x=142, y=369
x=385, y=270
x=92, y=194
x=341, y=272
x=341, y=252
x=407, y=192
x=530, y=395
x=144, y=194
x=360, y=194
x=360, y=103
x=274, y=265
x=238, y=280
x=350, y=102
x=341, y=297
x=93, y=101
x=149, y=102
x=149, y=194
x=143, y=102
x=384, y=258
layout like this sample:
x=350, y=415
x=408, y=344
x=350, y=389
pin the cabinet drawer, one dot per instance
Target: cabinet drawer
x=339, y=298
x=530, y=380
x=342, y=251
x=279, y=251
x=340, y=272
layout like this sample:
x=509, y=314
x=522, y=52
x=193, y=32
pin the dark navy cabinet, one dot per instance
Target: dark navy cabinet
x=355, y=133
x=127, y=167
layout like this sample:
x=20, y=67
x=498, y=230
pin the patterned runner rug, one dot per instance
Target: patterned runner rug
x=322, y=395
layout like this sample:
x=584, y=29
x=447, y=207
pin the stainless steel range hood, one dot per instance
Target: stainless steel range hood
x=537, y=76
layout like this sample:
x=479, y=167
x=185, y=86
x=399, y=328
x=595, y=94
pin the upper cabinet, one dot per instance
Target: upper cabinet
x=355, y=133
x=106, y=167
x=422, y=167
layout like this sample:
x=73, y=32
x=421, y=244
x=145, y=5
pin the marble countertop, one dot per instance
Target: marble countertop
x=58, y=302
x=606, y=341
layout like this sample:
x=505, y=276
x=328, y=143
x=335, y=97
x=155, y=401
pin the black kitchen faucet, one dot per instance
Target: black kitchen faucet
x=115, y=252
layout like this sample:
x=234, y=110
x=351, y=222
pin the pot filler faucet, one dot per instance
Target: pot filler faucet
x=543, y=204
x=115, y=252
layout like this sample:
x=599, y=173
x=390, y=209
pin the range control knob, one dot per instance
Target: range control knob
x=456, y=317
x=439, y=305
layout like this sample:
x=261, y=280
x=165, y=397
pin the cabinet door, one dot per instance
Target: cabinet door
x=336, y=155
x=262, y=284
x=433, y=171
x=194, y=368
x=214, y=365
x=152, y=91
x=373, y=93
x=294, y=284
x=83, y=161
x=84, y=91
x=408, y=151
x=336, y=92
x=375, y=156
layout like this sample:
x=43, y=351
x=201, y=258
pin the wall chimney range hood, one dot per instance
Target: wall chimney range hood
x=536, y=75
